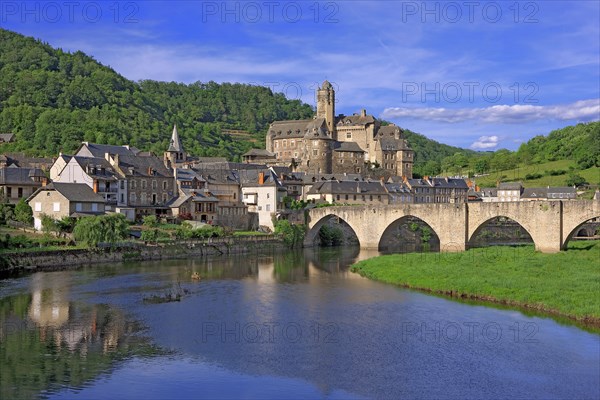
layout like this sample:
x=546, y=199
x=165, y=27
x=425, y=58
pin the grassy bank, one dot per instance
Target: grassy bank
x=565, y=284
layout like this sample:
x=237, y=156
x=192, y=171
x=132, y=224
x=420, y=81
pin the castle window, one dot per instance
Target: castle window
x=315, y=152
x=284, y=143
x=348, y=135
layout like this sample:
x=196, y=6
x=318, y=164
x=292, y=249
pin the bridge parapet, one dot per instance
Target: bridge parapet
x=549, y=223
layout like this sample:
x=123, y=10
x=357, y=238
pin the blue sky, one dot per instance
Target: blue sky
x=477, y=74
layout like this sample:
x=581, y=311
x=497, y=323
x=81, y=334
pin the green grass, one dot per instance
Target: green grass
x=566, y=283
x=248, y=233
x=591, y=175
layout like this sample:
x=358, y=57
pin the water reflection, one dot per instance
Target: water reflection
x=294, y=324
x=48, y=342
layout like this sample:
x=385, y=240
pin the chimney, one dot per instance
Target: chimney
x=44, y=181
x=363, y=112
x=96, y=186
x=261, y=178
x=447, y=181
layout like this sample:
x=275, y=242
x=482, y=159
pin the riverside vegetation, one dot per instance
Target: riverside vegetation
x=564, y=284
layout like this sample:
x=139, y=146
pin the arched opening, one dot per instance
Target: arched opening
x=586, y=231
x=408, y=235
x=500, y=231
x=331, y=231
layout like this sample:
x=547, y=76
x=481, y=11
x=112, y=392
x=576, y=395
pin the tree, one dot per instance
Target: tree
x=48, y=224
x=23, y=212
x=101, y=229
x=575, y=179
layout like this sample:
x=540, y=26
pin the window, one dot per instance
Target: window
x=143, y=184
x=268, y=207
x=56, y=207
x=154, y=184
x=19, y=193
x=164, y=185
x=132, y=184
x=94, y=207
x=9, y=192
x=337, y=197
x=348, y=135
x=122, y=198
x=122, y=185
x=315, y=152
x=164, y=197
x=143, y=198
x=77, y=206
x=153, y=198
x=132, y=198
x=38, y=206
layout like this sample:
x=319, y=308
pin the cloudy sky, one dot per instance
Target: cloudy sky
x=477, y=74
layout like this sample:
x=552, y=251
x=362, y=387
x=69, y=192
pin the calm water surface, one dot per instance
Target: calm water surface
x=295, y=325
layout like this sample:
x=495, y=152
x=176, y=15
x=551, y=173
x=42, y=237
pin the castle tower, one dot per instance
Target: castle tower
x=175, y=155
x=326, y=106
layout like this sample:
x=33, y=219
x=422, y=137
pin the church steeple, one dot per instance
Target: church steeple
x=175, y=154
x=175, y=144
x=326, y=105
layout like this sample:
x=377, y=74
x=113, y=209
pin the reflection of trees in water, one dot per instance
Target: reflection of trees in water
x=500, y=231
x=407, y=235
x=331, y=259
x=47, y=342
x=290, y=267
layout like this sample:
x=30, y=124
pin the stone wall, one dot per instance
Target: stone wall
x=14, y=263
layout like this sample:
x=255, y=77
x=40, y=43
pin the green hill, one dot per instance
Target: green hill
x=52, y=100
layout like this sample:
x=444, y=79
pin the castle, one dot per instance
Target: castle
x=343, y=144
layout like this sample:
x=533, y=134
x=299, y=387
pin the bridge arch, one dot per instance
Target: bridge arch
x=574, y=231
x=472, y=239
x=312, y=234
x=409, y=233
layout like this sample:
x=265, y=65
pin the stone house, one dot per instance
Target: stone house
x=58, y=200
x=19, y=183
x=510, y=191
x=346, y=192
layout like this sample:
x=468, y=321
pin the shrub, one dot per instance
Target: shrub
x=150, y=221
x=331, y=235
x=23, y=213
x=293, y=234
x=104, y=228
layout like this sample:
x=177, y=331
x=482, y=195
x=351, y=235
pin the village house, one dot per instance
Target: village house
x=58, y=200
x=19, y=183
x=263, y=193
x=510, y=191
x=549, y=193
x=346, y=192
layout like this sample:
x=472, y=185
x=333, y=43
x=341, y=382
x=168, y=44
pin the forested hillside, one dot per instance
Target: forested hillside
x=53, y=100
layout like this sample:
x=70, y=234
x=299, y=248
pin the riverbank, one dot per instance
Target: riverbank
x=19, y=262
x=564, y=284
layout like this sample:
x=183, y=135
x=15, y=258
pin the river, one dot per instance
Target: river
x=293, y=325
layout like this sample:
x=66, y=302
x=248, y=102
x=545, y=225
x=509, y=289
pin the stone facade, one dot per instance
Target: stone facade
x=320, y=145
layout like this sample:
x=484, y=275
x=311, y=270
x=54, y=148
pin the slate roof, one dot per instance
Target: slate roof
x=250, y=178
x=75, y=192
x=510, y=186
x=258, y=153
x=346, y=187
x=389, y=130
x=391, y=144
x=99, y=150
x=348, y=147
x=350, y=120
x=175, y=144
x=93, y=167
x=309, y=178
x=546, y=192
x=143, y=165
x=19, y=176
x=303, y=128
x=24, y=161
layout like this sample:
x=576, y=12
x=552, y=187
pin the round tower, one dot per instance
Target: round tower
x=326, y=106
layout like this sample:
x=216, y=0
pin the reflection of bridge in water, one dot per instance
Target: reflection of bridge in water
x=551, y=224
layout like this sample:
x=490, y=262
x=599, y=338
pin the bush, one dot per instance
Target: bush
x=150, y=221
x=575, y=180
x=533, y=176
x=23, y=213
x=104, y=228
x=293, y=234
x=331, y=235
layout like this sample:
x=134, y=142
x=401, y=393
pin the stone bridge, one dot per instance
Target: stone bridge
x=549, y=223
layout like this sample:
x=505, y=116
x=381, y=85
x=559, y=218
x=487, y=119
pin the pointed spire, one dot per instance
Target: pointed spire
x=175, y=144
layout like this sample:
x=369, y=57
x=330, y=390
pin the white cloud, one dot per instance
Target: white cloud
x=485, y=142
x=583, y=110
